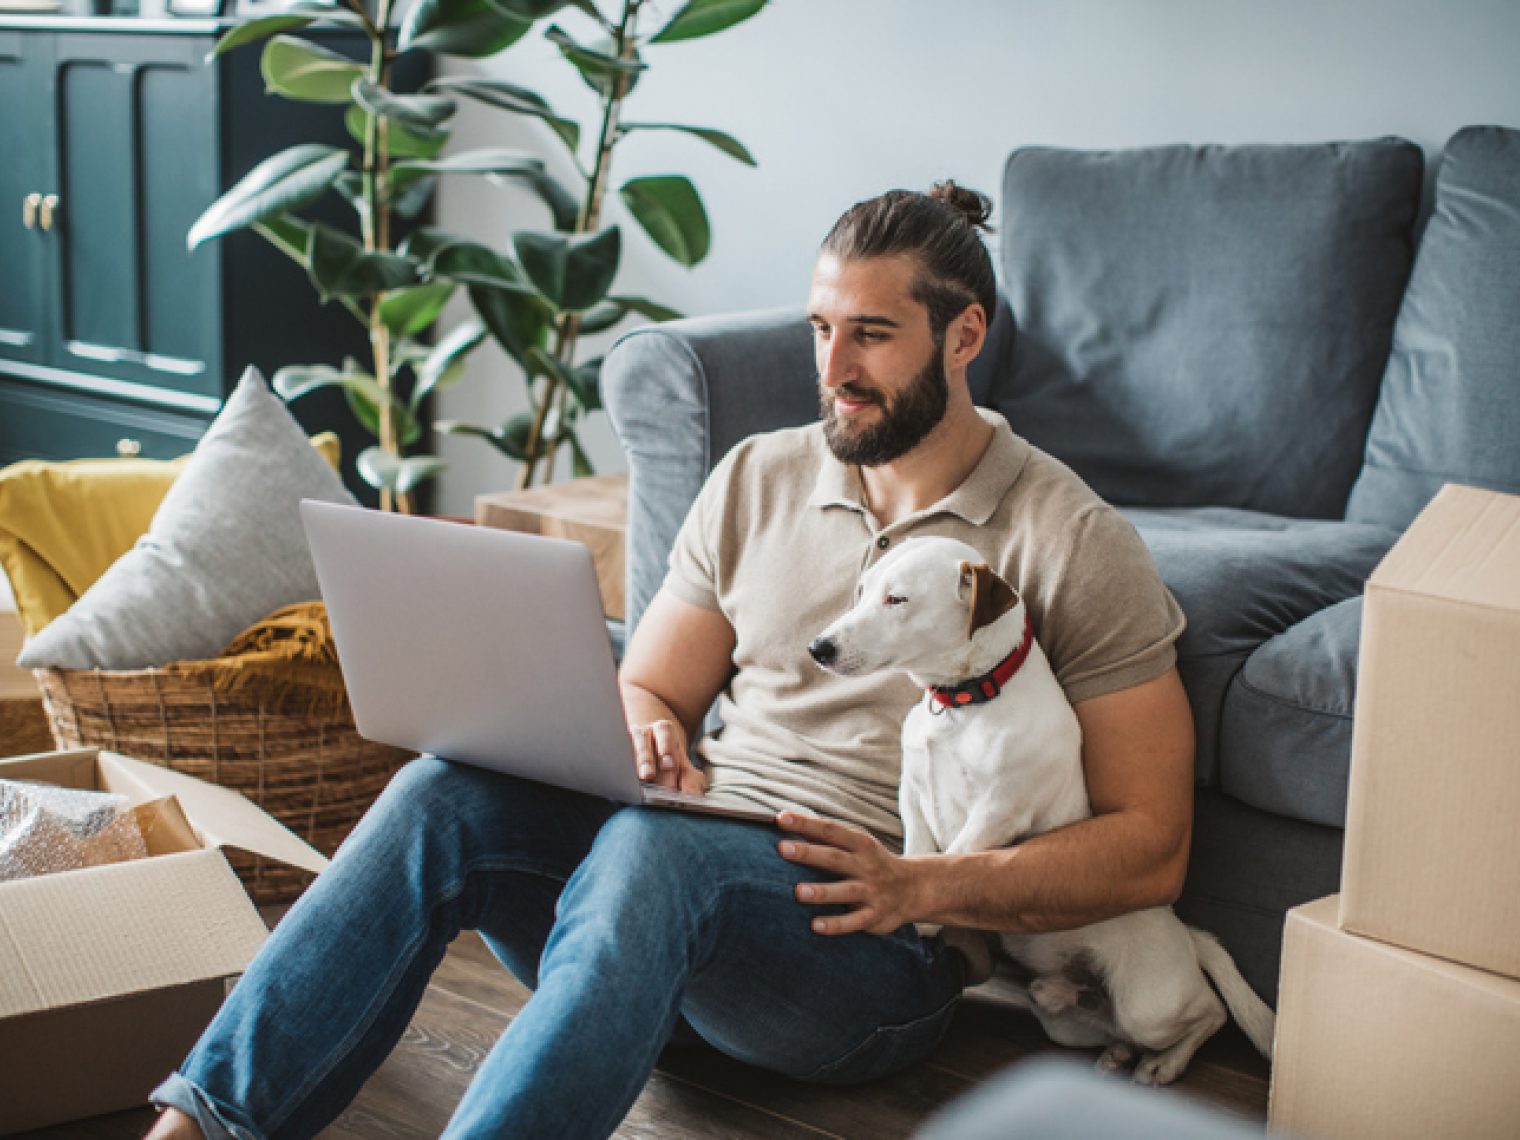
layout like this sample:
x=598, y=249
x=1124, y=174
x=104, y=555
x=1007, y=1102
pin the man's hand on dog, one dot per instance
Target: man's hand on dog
x=659, y=750
x=877, y=885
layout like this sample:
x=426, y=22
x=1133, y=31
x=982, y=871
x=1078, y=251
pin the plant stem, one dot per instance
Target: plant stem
x=375, y=222
x=567, y=328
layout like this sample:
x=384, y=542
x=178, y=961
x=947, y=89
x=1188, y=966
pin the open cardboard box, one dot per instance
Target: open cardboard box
x=109, y=974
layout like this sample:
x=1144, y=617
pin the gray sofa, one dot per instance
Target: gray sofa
x=1240, y=348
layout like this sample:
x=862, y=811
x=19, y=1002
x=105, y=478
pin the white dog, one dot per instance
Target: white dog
x=993, y=756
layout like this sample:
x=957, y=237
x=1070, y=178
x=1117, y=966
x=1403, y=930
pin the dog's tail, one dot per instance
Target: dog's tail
x=1252, y=1014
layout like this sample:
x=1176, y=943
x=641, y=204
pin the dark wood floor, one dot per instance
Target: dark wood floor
x=696, y=1093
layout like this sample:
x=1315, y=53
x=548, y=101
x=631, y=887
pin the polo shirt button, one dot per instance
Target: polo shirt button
x=883, y=542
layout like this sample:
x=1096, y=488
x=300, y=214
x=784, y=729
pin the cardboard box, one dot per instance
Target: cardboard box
x=109, y=974
x=1433, y=817
x=592, y=511
x=1378, y=1043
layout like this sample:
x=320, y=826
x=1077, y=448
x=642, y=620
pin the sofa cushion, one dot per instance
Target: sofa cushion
x=1206, y=325
x=1285, y=737
x=225, y=548
x=1241, y=578
x=1450, y=403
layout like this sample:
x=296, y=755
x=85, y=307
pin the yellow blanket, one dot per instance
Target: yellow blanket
x=288, y=660
x=62, y=525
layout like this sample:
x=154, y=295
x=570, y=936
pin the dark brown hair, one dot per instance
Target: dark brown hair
x=941, y=230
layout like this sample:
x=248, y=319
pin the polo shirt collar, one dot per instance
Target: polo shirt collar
x=838, y=484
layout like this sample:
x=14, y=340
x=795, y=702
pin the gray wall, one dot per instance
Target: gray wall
x=840, y=99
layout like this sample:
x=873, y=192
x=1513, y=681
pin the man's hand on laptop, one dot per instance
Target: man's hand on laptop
x=659, y=750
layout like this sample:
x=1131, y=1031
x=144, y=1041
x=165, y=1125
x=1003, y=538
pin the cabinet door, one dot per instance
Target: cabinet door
x=25, y=177
x=135, y=136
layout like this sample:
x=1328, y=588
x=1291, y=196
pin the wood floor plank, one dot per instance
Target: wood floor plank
x=470, y=970
x=886, y=1108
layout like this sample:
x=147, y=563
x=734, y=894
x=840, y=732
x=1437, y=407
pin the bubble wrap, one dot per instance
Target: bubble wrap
x=44, y=829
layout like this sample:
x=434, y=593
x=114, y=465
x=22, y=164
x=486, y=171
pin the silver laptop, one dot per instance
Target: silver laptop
x=483, y=646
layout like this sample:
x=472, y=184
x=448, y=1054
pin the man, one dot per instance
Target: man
x=792, y=950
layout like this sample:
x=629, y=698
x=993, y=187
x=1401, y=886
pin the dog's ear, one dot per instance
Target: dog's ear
x=991, y=597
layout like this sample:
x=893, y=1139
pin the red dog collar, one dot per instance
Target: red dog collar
x=981, y=689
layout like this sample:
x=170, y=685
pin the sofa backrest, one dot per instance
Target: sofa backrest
x=1206, y=325
x=1449, y=409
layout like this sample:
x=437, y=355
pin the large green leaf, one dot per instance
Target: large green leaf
x=444, y=363
x=511, y=97
x=598, y=68
x=400, y=141
x=423, y=242
x=410, y=200
x=517, y=323
x=511, y=438
x=573, y=272
x=366, y=408
x=406, y=312
x=295, y=16
x=500, y=161
x=704, y=17
x=339, y=266
x=605, y=314
x=296, y=380
x=647, y=308
x=362, y=393
x=420, y=114
x=470, y=263
x=284, y=181
x=308, y=72
x=586, y=384
x=670, y=210
x=288, y=234
x=381, y=469
x=724, y=142
x=470, y=28
x=564, y=207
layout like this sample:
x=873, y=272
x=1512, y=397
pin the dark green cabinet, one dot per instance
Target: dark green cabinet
x=114, y=338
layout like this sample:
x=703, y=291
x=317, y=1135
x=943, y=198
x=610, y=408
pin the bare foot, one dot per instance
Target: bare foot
x=175, y=1125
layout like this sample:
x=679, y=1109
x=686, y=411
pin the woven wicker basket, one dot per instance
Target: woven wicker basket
x=315, y=774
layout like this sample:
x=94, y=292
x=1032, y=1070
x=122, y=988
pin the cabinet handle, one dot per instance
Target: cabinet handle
x=127, y=448
x=49, y=204
x=29, y=206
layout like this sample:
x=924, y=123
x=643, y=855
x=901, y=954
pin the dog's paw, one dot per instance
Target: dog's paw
x=1160, y=1068
x=1116, y=1058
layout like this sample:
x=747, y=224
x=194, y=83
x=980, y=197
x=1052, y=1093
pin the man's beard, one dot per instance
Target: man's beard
x=900, y=428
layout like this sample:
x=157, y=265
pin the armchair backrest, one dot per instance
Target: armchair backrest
x=1206, y=325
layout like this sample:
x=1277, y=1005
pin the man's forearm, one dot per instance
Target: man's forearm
x=641, y=706
x=1091, y=870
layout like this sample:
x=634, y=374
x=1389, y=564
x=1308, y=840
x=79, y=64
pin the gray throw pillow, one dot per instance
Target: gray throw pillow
x=1450, y=404
x=1206, y=325
x=224, y=550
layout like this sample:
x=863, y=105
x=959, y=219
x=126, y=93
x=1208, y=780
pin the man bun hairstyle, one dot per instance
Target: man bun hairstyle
x=941, y=230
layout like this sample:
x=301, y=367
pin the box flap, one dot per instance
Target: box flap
x=1465, y=545
x=74, y=769
x=102, y=932
x=222, y=817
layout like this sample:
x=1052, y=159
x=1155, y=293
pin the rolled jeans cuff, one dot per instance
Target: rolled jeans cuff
x=178, y=1092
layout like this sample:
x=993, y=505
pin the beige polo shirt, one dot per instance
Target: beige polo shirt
x=777, y=541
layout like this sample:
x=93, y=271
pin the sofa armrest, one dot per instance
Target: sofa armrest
x=680, y=395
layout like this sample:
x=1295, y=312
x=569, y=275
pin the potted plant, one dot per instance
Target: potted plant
x=537, y=299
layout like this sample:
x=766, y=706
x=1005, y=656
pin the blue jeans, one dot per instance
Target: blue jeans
x=622, y=920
